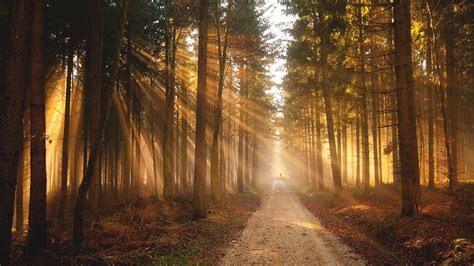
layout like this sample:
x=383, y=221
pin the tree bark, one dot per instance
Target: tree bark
x=406, y=109
x=36, y=239
x=65, y=147
x=168, y=130
x=240, y=152
x=364, y=116
x=184, y=139
x=451, y=101
x=336, y=171
x=319, y=147
x=78, y=222
x=200, y=165
x=12, y=97
x=431, y=94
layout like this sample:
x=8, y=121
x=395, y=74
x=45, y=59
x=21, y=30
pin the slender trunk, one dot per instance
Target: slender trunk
x=336, y=171
x=184, y=139
x=364, y=115
x=153, y=153
x=357, y=181
x=406, y=109
x=200, y=165
x=319, y=147
x=313, y=161
x=339, y=136
x=65, y=155
x=240, y=152
x=36, y=239
x=168, y=131
x=431, y=151
x=374, y=129
x=451, y=102
x=19, y=196
x=12, y=97
x=344, y=155
x=397, y=179
x=254, y=161
x=78, y=221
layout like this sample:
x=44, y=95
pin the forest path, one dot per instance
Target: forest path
x=283, y=231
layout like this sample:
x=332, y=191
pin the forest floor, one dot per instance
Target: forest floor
x=282, y=231
x=149, y=233
x=371, y=224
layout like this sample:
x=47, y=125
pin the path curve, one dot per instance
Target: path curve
x=283, y=231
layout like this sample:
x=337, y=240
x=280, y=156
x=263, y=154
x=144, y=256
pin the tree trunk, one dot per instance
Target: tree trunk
x=451, y=101
x=364, y=115
x=12, y=97
x=357, y=181
x=336, y=171
x=78, y=221
x=240, y=152
x=313, y=160
x=393, y=115
x=200, y=165
x=184, y=139
x=19, y=196
x=374, y=128
x=36, y=239
x=153, y=152
x=406, y=109
x=319, y=147
x=430, y=88
x=168, y=131
x=65, y=147
x=344, y=155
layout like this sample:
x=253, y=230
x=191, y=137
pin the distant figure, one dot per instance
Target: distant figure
x=281, y=176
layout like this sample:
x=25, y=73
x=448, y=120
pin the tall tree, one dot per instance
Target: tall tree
x=12, y=97
x=105, y=106
x=325, y=42
x=200, y=157
x=451, y=99
x=406, y=109
x=65, y=146
x=37, y=235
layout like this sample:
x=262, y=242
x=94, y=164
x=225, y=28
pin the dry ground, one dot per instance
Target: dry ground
x=371, y=224
x=149, y=232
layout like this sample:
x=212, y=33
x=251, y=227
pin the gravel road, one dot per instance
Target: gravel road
x=283, y=231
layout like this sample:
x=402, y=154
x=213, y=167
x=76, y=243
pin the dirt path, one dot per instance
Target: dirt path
x=283, y=231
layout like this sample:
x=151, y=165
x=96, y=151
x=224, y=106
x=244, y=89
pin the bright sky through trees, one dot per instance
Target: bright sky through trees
x=280, y=22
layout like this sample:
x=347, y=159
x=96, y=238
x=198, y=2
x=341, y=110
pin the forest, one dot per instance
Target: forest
x=320, y=132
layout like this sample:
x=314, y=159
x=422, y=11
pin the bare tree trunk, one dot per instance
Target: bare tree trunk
x=313, y=160
x=431, y=94
x=344, y=155
x=78, y=222
x=153, y=151
x=184, y=139
x=374, y=129
x=336, y=171
x=12, y=97
x=364, y=115
x=65, y=154
x=168, y=131
x=36, y=239
x=319, y=147
x=357, y=181
x=393, y=116
x=200, y=165
x=406, y=109
x=240, y=159
x=19, y=196
x=451, y=101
